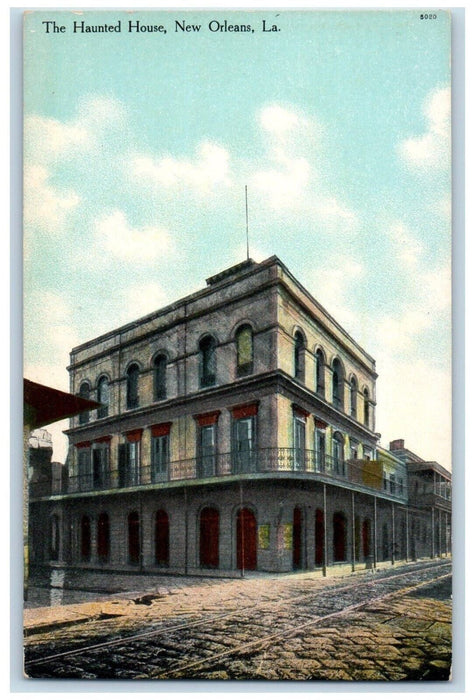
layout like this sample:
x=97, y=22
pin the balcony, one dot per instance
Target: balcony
x=280, y=460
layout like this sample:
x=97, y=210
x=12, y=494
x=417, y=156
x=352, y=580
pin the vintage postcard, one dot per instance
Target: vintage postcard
x=237, y=343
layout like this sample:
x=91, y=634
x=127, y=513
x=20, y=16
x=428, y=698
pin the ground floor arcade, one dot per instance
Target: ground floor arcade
x=265, y=525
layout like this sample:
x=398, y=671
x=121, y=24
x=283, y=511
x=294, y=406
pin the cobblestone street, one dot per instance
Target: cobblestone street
x=393, y=624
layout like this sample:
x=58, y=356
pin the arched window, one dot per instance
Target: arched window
x=353, y=396
x=244, y=351
x=103, y=397
x=84, y=392
x=338, y=461
x=162, y=538
x=207, y=361
x=337, y=384
x=103, y=535
x=320, y=373
x=133, y=386
x=160, y=377
x=299, y=356
x=85, y=538
x=366, y=406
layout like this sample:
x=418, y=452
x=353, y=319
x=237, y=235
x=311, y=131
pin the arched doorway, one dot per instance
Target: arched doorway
x=319, y=537
x=54, y=538
x=367, y=538
x=85, y=538
x=357, y=535
x=385, y=542
x=162, y=538
x=209, y=538
x=339, y=537
x=246, y=540
x=297, y=539
x=103, y=537
x=134, y=537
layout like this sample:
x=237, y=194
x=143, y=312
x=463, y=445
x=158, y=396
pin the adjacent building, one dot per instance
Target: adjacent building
x=236, y=431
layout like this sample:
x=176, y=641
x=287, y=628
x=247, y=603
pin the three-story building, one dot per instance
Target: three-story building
x=236, y=432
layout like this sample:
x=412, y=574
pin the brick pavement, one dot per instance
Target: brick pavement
x=398, y=639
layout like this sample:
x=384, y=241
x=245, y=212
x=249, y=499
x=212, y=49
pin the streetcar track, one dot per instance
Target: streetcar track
x=210, y=619
x=205, y=619
x=241, y=649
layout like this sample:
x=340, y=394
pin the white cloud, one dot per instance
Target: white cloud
x=114, y=234
x=47, y=309
x=44, y=205
x=415, y=400
x=144, y=299
x=48, y=139
x=278, y=120
x=332, y=286
x=289, y=181
x=206, y=171
x=408, y=248
x=431, y=149
x=399, y=333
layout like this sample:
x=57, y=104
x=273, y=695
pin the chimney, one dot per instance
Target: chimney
x=396, y=445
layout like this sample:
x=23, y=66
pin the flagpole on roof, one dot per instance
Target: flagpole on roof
x=247, y=223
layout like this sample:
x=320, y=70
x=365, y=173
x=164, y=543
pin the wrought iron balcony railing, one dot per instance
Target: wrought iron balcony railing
x=260, y=461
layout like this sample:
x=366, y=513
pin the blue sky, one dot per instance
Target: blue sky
x=138, y=148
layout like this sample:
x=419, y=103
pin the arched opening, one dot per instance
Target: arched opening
x=337, y=384
x=209, y=538
x=103, y=397
x=103, y=534
x=339, y=537
x=134, y=537
x=403, y=545
x=246, y=540
x=54, y=538
x=297, y=539
x=244, y=350
x=319, y=537
x=207, y=349
x=385, y=542
x=353, y=396
x=85, y=538
x=299, y=356
x=320, y=373
x=133, y=386
x=357, y=538
x=366, y=406
x=366, y=538
x=162, y=538
x=160, y=377
x=84, y=393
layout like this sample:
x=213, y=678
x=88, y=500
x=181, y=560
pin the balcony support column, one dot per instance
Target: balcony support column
x=432, y=537
x=407, y=533
x=375, y=539
x=325, y=552
x=393, y=534
x=353, y=543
